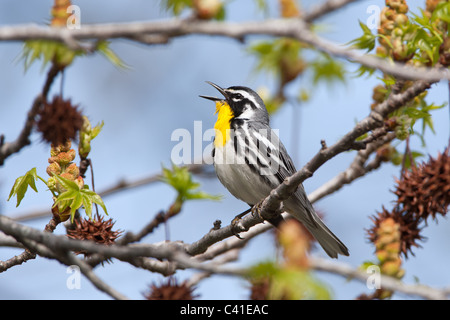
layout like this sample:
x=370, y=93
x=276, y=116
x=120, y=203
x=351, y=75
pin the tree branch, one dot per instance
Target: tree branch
x=294, y=28
x=7, y=149
x=324, y=8
x=357, y=169
x=59, y=247
x=386, y=282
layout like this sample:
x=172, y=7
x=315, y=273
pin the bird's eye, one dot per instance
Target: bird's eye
x=238, y=96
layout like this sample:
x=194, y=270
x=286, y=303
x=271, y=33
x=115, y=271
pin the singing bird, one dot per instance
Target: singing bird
x=250, y=160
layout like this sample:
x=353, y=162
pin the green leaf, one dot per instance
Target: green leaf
x=327, y=69
x=98, y=200
x=261, y=5
x=21, y=185
x=110, y=55
x=297, y=284
x=181, y=180
x=75, y=198
x=48, y=50
x=67, y=184
x=442, y=12
x=176, y=6
x=366, y=41
x=270, y=54
x=86, y=135
x=363, y=70
x=87, y=204
x=289, y=283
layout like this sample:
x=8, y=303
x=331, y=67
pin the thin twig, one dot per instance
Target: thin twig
x=293, y=28
x=358, y=168
x=386, y=282
x=324, y=8
x=8, y=148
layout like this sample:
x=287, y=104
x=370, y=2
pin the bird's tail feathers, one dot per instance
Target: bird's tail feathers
x=327, y=239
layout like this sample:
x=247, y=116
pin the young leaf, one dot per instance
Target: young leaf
x=177, y=6
x=110, y=55
x=442, y=12
x=48, y=50
x=366, y=41
x=86, y=135
x=289, y=283
x=327, y=69
x=74, y=197
x=21, y=185
x=181, y=180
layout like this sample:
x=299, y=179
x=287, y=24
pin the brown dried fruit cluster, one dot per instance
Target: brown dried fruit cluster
x=387, y=235
x=407, y=228
x=260, y=288
x=170, y=290
x=98, y=230
x=59, y=121
x=424, y=191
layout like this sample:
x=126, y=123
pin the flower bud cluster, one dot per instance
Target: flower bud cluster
x=59, y=13
x=207, y=9
x=393, y=24
x=61, y=164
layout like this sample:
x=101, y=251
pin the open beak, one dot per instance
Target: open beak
x=211, y=98
x=222, y=91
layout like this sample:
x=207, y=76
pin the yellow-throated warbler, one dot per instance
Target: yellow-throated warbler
x=250, y=160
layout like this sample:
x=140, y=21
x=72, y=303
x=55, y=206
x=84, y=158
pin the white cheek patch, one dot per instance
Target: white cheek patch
x=248, y=113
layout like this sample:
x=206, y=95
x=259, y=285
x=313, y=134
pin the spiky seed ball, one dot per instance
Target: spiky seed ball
x=425, y=190
x=59, y=121
x=405, y=224
x=259, y=289
x=170, y=290
x=98, y=230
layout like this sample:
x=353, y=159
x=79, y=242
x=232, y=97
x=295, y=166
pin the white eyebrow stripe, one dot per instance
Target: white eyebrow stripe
x=247, y=96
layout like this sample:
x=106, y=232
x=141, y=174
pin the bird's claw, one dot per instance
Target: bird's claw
x=256, y=210
x=237, y=227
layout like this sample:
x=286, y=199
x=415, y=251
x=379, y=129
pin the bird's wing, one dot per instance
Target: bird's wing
x=271, y=154
x=273, y=159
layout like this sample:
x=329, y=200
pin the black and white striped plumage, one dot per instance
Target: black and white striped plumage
x=253, y=161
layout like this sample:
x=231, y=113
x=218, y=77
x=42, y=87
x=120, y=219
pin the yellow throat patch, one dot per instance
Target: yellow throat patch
x=222, y=126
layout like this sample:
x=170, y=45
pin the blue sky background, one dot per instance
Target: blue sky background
x=141, y=107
